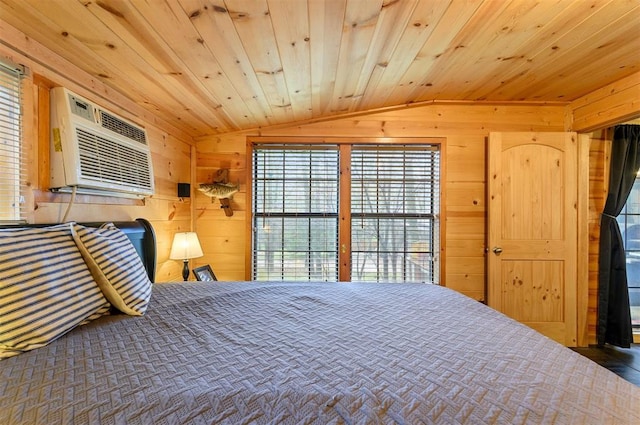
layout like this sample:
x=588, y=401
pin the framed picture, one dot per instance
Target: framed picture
x=204, y=274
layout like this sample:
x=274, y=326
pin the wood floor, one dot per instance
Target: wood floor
x=625, y=362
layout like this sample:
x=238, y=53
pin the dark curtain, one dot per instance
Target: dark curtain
x=614, y=315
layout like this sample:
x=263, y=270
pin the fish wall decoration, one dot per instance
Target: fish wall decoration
x=219, y=190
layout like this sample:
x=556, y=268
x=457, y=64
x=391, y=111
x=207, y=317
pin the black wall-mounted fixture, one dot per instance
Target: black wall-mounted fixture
x=184, y=190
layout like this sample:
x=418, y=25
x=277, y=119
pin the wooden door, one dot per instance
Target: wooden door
x=532, y=230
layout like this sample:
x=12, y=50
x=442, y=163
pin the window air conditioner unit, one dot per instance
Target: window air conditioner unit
x=97, y=151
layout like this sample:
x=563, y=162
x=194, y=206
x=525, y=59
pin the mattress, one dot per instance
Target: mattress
x=310, y=353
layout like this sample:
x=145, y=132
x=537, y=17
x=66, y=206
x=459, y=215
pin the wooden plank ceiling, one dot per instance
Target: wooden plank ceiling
x=216, y=66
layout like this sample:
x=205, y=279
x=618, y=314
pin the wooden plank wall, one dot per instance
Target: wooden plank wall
x=599, y=151
x=594, y=114
x=613, y=104
x=171, y=153
x=465, y=127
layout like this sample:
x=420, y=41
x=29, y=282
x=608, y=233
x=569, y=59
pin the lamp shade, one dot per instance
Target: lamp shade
x=185, y=246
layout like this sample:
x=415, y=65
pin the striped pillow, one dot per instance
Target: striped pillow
x=46, y=288
x=115, y=266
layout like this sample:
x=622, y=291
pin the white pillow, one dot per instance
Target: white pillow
x=116, y=267
x=46, y=288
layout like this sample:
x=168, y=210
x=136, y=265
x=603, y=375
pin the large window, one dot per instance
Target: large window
x=12, y=169
x=394, y=205
x=629, y=221
x=348, y=211
x=295, y=213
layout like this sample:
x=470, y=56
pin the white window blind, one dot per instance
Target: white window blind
x=395, y=193
x=12, y=160
x=295, y=212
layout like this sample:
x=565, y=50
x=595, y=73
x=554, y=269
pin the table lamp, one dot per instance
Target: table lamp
x=185, y=246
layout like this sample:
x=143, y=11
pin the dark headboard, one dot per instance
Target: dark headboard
x=143, y=238
x=140, y=233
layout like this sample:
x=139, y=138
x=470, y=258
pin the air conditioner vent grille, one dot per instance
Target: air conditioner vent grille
x=123, y=128
x=112, y=163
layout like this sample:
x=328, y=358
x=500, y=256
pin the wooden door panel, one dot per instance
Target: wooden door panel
x=532, y=221
x=532, y=291
x=532, y=195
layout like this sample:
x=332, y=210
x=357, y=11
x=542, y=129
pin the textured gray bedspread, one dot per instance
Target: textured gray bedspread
x=218, y=353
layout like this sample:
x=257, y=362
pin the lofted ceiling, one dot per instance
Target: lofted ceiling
x=216, y=66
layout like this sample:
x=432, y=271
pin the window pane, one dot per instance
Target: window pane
x=300, y=248
x=394, y=250
x=633, y=202
x=394, y=208
x=295, y=201
x=629, y=221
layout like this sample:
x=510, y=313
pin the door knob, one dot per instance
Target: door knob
x=497, y=250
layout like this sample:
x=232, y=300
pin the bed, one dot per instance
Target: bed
x=306, y=353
